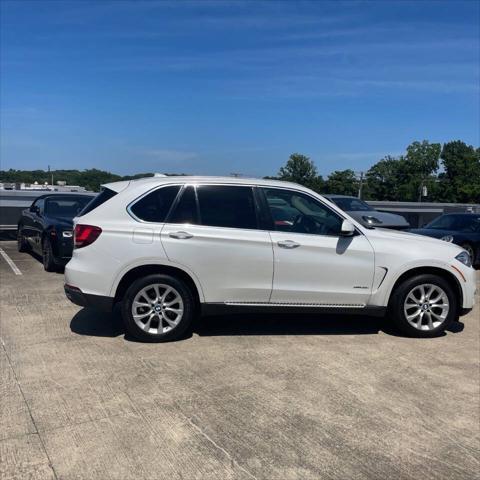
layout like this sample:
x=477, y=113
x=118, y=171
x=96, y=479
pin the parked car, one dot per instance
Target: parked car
x=47, y=227
x=460, y=228
x=166, y=248
x=365, y=214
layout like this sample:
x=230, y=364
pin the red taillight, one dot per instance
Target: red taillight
x=85, y=235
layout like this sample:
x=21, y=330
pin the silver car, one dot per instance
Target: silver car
x=367, y=215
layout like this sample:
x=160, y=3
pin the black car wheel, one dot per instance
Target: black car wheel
x=22, y=245
x=158, y=308
x=48, y=258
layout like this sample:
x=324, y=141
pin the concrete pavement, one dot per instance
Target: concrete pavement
x=285, y=397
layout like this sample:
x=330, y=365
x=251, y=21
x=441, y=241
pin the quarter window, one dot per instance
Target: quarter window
x=155, y=206
x=227, y=206
x=296, y=212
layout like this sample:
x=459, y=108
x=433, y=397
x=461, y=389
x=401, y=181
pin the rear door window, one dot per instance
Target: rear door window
x=185, y=211
x=227, y=206
x=154, y=207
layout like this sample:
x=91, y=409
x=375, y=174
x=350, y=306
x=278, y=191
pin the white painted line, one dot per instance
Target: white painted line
x=15, y=269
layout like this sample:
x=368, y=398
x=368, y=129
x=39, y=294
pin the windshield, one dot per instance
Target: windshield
x=351, y=204
x=65, y=207
x=458, y=223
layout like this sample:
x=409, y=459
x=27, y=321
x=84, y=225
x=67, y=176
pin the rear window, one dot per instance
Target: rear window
x=102, y=197
x=155, y=206
x=65, y=207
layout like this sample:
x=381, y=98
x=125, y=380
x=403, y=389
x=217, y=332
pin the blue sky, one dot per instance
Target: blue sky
x=214, y=87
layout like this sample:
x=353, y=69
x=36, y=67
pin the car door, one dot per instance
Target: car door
x=213, y=231
x=37, y=225
x=313, y=264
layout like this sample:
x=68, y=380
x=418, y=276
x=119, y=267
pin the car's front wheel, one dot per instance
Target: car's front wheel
x=423, y=306
x=158, y=308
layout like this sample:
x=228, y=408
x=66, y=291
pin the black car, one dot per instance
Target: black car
x=460, y=228
x=46, y=227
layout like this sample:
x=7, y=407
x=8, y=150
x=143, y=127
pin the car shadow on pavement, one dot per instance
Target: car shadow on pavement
x=100, y=324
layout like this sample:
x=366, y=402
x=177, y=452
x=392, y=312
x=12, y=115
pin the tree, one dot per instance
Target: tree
x=461, y=178
x=420, y=167
x=383, y=179
x=342, y=182
x=300, y=169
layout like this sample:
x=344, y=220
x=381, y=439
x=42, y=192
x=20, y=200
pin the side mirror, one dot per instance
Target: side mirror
x=347, y=229
x=35, y=209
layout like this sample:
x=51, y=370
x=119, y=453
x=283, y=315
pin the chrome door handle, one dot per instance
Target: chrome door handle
x=180, y=235
x=288, y=244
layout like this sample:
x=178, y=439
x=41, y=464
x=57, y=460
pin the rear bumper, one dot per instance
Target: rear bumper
x=99, y=302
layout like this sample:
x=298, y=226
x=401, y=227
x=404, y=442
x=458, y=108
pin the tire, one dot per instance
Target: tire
x=471, y=251
x=22, y=245
x=48, y=258
x=429, y=321
x=155, y=321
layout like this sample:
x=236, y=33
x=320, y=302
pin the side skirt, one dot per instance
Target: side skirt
x=230, y=309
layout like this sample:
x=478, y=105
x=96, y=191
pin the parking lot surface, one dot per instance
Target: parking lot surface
x=254, y=397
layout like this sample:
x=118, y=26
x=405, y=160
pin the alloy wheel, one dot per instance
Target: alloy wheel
x=157, y=308
x=426, y=307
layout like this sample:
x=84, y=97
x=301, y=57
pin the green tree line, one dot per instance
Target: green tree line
x=427, y=172
x=445, y=173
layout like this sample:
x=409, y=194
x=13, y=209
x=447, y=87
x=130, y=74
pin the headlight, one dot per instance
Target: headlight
x=67, y=234
x=447, y=238
x=464, y=258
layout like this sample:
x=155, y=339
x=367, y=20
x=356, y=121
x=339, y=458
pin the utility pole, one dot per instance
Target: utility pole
x=51, y=174
x=360, y=187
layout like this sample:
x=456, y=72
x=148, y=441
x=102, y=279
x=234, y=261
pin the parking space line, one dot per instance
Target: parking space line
x=15, y=269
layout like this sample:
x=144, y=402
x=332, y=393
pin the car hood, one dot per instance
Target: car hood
x=386, y=219
x=430, y=232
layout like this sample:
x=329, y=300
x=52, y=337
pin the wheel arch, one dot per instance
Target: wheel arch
x=149, y=269
x=441, y=272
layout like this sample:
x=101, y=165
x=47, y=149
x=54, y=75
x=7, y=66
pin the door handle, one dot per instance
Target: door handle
x=288, y=244
x=180, y=235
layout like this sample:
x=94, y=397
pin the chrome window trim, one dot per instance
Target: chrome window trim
x=158, y=187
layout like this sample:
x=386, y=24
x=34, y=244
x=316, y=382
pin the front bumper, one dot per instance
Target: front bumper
x=98, y=302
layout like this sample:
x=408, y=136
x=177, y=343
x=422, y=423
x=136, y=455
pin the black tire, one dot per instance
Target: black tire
x=48, y=258
x=174, y=333
x=22, y=245
x=398, y=298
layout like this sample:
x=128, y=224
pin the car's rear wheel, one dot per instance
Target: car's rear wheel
x=22, y=245
x=158, y=308
x=48, y=258
x=423, y=306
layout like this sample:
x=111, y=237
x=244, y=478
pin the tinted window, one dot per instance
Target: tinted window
x=102, y=197
x=227, y=206
x=65, y=207
x=186, y=209
x=296, y=212
x=445, y=222
x=155, y=206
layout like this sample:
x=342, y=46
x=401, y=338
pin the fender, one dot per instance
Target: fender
x=162, y=262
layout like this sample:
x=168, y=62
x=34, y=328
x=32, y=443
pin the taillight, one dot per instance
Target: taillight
x=85, y=235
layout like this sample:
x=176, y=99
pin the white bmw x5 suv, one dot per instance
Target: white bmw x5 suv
x=169, y=248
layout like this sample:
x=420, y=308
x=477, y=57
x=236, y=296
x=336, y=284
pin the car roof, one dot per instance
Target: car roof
x=333, y=195
x=153, y=181
x=460, y=214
